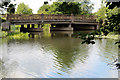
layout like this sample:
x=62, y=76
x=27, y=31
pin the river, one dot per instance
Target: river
x=57, y=55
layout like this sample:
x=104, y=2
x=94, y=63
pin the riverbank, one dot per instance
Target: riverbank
x=18, y=35
x=13, y=35
x=107, y=37
x=3, y=34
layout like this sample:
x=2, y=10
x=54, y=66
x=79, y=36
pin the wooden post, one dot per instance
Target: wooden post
x=33, y=26
x=39, y=25
x=42, y=16
x=7, y=17
x=9, y=27
x=28, y=26
x=69, y=25
x=98, y=25
x=72, y=17
x=32, y=35
x=28, y=35
x=69, y=35
x=83, y=17
x=22, y=26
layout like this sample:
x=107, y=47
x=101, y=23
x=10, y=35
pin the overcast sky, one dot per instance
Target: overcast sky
x=35, y=4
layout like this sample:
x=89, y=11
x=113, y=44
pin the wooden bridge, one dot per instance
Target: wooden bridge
x=62, y=22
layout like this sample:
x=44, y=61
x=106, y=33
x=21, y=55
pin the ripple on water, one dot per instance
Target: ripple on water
x=59, y=58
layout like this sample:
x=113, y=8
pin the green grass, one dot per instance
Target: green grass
x=18, y=35
x=3, y=34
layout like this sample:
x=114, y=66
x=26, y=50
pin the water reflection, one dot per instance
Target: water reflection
x=57, y=55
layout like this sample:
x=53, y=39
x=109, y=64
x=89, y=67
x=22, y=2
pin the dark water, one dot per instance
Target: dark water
x=57, y=55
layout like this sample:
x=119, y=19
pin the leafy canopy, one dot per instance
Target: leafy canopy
x=109, y=18
x=83, y=7
x=23, y=9
x=5, y=5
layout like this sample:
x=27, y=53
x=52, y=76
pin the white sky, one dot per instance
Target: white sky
x=35, y=4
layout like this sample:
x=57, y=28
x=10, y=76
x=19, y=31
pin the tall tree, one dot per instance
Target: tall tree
x=66, y=8
x=86, y=7
x=23, y=9
x=69, y=8
x=44, y=9
x=49, y=9
x=5, y=5
x=109, y=18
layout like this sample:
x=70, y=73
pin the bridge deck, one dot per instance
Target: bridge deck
x=50, y=19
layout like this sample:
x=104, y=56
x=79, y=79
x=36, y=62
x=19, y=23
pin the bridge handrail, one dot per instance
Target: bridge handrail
x=49, y=17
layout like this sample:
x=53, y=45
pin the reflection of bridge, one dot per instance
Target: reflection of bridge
x=62, y=22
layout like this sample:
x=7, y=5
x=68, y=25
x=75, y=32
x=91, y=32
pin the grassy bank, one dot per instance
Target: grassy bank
x=111, y=35
x=3, y=34
x=16, y=34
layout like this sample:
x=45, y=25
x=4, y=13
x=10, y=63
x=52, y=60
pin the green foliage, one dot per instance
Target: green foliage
x=114, y=11
x=110, y=22
x=7, y=6
x=46, y=27
x=2, y=19
x=49, y=9
x=54, y=7
x=67, y=8
x=46, y=34
x=101, y=13
x=46, y=31
x=86, y=7
x=17, y=35
x=44, y=9
x=23, y=9
x=109, y=18
x=3, y=34
x=11, y=9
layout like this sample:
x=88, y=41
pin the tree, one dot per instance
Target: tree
x=69, y=8
x=49, y=9
x=86, y=7
x=111, y=23
x=44, y=9
x=23, y=9
x=101, y=14
x=113, y=20
x=66, y=8
x=109, y=18
x=5, y=5
x=11, y=9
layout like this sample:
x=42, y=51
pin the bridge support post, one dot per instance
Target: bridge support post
x=32, y=35
x=33, y=26
x=28, y=26
x=22, y=28
x=69, y=35
x=98, y=25
x=6, y=26
x=9, y=27
x=39, y=25
x=69, y=25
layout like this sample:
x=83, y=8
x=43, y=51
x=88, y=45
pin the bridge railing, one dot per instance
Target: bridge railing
x=12, y=17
